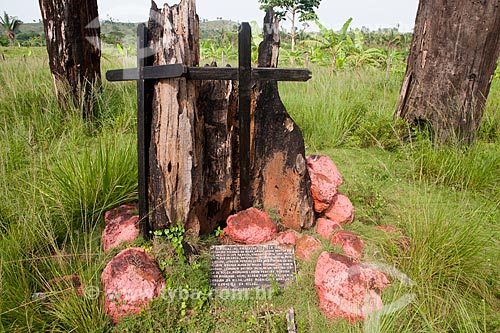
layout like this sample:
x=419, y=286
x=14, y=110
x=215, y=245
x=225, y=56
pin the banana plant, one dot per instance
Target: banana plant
x=10, y=25
x=358, y=55
x=334, y=42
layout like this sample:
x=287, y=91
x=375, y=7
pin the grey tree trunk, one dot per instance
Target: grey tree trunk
x=72, y=32
x=452, y=60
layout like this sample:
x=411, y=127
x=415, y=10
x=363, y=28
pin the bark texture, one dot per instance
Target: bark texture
x=72, y=33
x=452, y=60
x=218, y=100
x=176, y=154
x=281, y=182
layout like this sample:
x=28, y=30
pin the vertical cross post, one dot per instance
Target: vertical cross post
x=144, y=112
x=245, y=80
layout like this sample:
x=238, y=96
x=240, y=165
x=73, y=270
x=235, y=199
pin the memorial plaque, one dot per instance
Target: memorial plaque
x=242, y=267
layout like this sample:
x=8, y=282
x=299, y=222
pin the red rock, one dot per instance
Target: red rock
x=130, y=281
x=251, y=226
x=306, y=247
x=325, y=179
x=119, y=213
x=352, y=245
x=286, y=238
x=341, y=210
x=347, y=289
x=326, y=227
x=119, y=230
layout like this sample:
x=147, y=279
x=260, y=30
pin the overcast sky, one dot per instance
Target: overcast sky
x=373, y=14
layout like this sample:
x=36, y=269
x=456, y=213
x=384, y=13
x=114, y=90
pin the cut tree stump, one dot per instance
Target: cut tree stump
x=195, y=147
x=72, y=34
x=452, y=61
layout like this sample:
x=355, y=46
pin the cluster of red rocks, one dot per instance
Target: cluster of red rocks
x=132, y=279
x=346, y=288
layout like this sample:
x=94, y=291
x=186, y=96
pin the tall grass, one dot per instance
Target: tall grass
x=59, y=174
x=332, y=108
x=451, y=259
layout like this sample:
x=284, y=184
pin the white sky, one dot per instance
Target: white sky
x=373, y=14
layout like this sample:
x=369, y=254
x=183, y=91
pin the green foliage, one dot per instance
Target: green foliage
x=334, y=42
x=305, y=9
x=175, y=235
x=473, y=168
x=61, y=173
x=10, y=25
x=85, y=183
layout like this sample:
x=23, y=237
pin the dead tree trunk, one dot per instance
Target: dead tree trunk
x=176, y=154
x=72, y=32
x=452, y=60
x=281, y=182
x=218, y=100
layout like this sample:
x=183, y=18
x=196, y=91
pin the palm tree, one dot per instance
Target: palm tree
x=10, y=25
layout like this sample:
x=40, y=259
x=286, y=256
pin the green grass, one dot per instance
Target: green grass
x=60, y=174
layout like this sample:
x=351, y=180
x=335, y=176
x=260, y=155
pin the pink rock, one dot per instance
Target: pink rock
x=352, y=245
x=347, y=289
x=119, y=230
x=119, y=213
x=251, y=226
x=286, y=238
x=341, y=210
x=325, y=179
x=326, y=227
x=306, y=247
x=130, y=281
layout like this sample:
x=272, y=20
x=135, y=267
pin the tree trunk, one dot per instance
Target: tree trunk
x=72, y=32
x=452, y=60
x=281, y=182
x=176, y=154
x=293, y=30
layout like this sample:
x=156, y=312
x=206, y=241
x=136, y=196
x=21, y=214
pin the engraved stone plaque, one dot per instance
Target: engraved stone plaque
x=242, y=267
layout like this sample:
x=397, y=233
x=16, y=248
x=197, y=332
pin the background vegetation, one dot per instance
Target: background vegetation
x=60, y=174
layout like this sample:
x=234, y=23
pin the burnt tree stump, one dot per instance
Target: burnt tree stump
x=213, y=141
x=176, y=153
x=72, y=34
x=280, y=179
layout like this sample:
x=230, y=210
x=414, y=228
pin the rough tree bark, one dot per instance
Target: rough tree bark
x=72, y=32
x=194, y=154
x=176, y=153
x=281, y=181
x=452, y=60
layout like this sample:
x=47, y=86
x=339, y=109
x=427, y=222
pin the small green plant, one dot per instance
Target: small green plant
x=275, y=286
x=219, y=232
x=175, y=236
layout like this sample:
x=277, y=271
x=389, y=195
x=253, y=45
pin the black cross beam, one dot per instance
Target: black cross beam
x=146, y=74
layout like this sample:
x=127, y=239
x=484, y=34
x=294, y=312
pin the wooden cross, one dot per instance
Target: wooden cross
x=146, y=74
